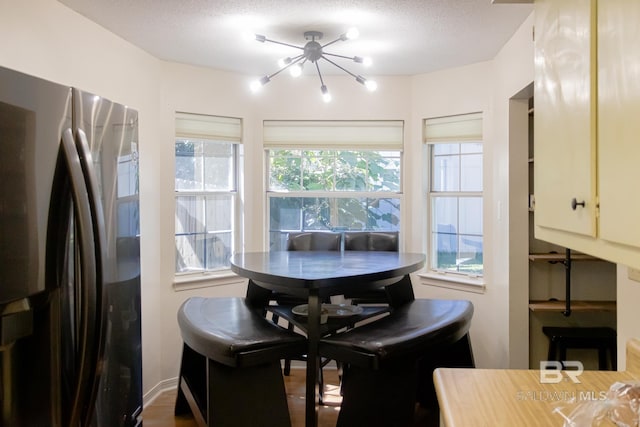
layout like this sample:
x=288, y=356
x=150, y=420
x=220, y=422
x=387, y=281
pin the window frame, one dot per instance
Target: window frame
x=286, y=138
x=190, y=277
x=461, y=129
x=458, y=195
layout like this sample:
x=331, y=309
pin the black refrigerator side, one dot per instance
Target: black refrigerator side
x=110, y=134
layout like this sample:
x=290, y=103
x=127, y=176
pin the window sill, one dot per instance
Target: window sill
x=189, y=281
x=453, y=281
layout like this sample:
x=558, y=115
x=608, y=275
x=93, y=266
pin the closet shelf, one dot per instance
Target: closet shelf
x=561, y=257
x=567, y=260
x=576, y=306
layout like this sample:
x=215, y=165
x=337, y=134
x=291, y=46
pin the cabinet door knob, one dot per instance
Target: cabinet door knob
x=575, y=204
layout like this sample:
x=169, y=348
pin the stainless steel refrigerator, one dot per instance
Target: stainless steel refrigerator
x=70, y=345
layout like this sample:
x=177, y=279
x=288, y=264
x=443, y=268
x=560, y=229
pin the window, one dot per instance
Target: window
x=332, y=176
x=455, y=194
x=206, y=155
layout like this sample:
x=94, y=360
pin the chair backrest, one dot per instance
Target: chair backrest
x=314, y=241
x=371, y=241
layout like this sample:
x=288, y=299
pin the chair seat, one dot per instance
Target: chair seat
x=230, y=359
x=389, y=362
x=407, y=331
x=230, y=332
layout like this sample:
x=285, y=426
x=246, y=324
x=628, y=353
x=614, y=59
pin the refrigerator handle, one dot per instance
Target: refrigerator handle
x=90, y=299
x=100, y=242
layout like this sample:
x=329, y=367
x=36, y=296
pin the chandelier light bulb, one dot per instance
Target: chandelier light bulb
x=247, y=36
x=366, y=61
x=352, y=33
x=295, y=70
x=371, y=85
x=283, y=62
x=326, y=96
x=256, y=85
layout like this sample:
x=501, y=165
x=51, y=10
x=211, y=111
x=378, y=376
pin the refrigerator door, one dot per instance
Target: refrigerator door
x=33, y=114
x=112, y=138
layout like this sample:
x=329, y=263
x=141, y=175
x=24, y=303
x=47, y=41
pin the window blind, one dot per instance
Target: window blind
x=200, y=126
x=459, y=128
x=345, y=134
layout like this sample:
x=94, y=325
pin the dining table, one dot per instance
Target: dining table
x=316, y=276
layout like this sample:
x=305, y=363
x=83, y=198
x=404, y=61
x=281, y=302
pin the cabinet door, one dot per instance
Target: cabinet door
x=619, y=120
x=564, y=127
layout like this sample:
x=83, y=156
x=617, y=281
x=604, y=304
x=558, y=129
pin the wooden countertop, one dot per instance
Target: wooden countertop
x=510, y=397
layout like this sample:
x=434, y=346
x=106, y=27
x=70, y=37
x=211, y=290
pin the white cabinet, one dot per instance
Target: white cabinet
x=587, y=127
x=619, y=121
x=565, y=110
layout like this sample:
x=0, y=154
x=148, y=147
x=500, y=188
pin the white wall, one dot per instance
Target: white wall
x=448, y=92
x=513, y=72
x=46, y=39
x=499, y=337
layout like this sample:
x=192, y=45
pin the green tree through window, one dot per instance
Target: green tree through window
x=332, y=190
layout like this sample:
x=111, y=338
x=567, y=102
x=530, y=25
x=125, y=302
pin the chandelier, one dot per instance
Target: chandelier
x=313, y=52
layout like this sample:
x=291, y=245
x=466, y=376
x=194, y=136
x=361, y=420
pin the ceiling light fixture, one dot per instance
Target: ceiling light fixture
x=313, y=52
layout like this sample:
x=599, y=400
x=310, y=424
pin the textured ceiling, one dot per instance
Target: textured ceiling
x=403, y=37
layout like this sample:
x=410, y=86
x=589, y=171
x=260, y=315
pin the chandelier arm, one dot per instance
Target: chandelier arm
x=296, y=59
x=293, y=61
x=319, y=73
x=284, y=44
x=339, y=66
x=338, y=56
x=332, y=42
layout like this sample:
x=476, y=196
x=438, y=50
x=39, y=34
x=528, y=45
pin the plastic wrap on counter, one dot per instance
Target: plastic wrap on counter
x=619, y=408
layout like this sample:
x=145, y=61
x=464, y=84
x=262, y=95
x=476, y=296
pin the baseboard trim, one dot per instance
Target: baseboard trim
x=158, y=389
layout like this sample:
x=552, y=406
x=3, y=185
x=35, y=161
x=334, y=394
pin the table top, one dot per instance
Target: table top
x=511, y=397
x=324, y=269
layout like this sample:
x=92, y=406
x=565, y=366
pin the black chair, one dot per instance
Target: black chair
x=370, y=241
x=313, y=241
x=389, y=363
x=230, y=370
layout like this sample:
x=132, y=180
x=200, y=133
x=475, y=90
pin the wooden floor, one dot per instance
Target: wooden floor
x=160, y=412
